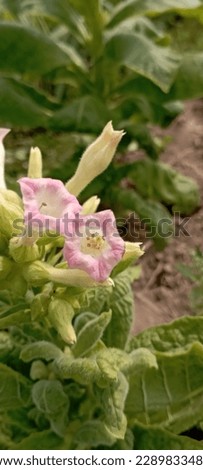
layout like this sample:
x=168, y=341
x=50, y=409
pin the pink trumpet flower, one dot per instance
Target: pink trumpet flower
x=95, y=246
x=47, y=203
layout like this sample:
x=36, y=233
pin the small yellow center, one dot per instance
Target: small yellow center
x=93, y=244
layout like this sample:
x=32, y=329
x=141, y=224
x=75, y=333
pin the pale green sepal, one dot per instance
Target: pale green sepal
x=22, y=253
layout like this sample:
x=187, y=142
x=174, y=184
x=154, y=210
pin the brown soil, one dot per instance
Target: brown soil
x=161, y=293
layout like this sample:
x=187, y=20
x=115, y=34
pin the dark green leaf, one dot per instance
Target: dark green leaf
x=85, y=114
x=156, y=438
x=155, y=180
x=33, y=54
x=14, y=389
x=141, y=55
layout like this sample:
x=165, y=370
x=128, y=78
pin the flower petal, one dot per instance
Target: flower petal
x=97, y=247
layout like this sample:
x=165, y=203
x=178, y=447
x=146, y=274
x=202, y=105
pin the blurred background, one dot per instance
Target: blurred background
x=67, y=67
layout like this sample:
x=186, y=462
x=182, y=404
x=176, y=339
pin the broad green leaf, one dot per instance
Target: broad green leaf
x=91, y=333
x=35, y=53
x=122, y=306
x=156, y=438
x=42, y=440
x=139, y=360
x=62, y=10
x=155, y=180
x=51, y=400
x=189, y=79
x=113, y=401
x=98, y=300
x=130, y=8
x=14, y=389
x=170, y=337
x=40, y=350
x=85, y=114
x=172, y=395
x=93, y=434
x=141, y=55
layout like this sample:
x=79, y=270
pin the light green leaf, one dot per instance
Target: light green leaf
x=14, y=389
x=51, y=400
x=40, y=350
x=139, y=360
x=91, y=333
x=113, y=401
x=170, y=337
x=35, y=53
x=122, y=306
x=172, y=395
x=155, y=180
x=156, y=438
x=141, y=55
x=83, y=370
x=93, y=434
x=130, y=8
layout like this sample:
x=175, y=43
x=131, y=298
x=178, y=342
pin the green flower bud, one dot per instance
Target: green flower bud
x=10, y=215
x=20, y=252
x=60, y=315
x=35, y=163
x=6, y=267
x=132, y=250
x=38, y=370
x=36, y=273
x=11, y=197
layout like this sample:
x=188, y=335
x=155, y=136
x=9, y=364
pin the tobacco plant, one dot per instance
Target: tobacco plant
x=72, y=375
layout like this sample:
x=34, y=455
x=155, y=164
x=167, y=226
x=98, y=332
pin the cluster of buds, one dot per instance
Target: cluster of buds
x=48, y=237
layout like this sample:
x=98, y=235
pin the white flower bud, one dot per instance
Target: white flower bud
x=90, y=206
x=35, y=163
x=95, y=159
